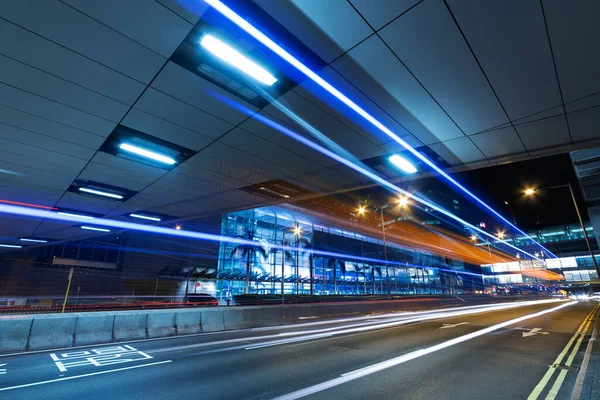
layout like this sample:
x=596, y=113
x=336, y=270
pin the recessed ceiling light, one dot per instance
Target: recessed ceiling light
x=149, y=218
x=93, y=228
x=68, y=214
x=101, y=193
x=33, y=240
x=146, y=153
x=264, y=189
x=403, y=164
x=11, y=246
x=237, y=59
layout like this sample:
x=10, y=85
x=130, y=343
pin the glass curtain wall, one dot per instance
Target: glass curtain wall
x=259, y=269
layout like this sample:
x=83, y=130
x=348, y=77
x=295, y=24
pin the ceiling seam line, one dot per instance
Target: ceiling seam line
x=562, y=99
x=57, y=102
x=414, y=77
x=63, y=79
x=2, y=122
x=172, y=11
x=113, y=29
x=485, y=75
x=74, y=52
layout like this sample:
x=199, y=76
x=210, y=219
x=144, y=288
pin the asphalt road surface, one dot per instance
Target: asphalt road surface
x=503, y=351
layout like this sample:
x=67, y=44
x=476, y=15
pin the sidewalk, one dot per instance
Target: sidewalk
x=591, y=383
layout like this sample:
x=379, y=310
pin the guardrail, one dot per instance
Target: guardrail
x=50, y=331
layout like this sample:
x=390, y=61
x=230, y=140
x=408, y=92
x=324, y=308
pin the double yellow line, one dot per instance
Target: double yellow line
x=578, y=336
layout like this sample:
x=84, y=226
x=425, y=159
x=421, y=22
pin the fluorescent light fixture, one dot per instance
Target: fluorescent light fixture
x=403, y=164
x=33, y=240
x=145, y=217
x=147, y=153
x=68, y=214
x=101, y=193
x=237, y=59
x=264, y=189
x=553, y=233
x=11, y=246
x=93, y=228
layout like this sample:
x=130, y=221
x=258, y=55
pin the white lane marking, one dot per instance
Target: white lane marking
x=2, y=370
x=359, y=373
x=292, y=326
x=446, y=326
x=308, y=317
x=535, y=331
x=83, y=376
x=99, y=357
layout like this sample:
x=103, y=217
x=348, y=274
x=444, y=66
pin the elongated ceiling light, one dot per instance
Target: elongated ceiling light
x=10, y=246
x=33, y=240
x=237, y=59
x=149, y=218
x=93, y=228
x=68, y=214
x=101, y=193
x=403, y=164
x=193, y=5
x=146, y=153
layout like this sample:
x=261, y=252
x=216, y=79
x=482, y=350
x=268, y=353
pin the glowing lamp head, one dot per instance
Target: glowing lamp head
x=297, y=231
x=473, y=238
x=529, y=191
x=361, y=210
x=178, y=227
x=501, y=235
x=403, y=201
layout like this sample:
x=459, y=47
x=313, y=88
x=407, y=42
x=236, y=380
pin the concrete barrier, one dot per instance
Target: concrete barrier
x=46, y=331
x=161, y=324
x=53, y=331
x=14, y=333
x=130, y=325
x=188, y=322
x=93, y=329
x=212, y=320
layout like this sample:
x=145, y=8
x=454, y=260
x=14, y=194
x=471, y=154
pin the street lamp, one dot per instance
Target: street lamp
x=501, y=235
x=387, y=270
x=473, y=238
x=532, y=191
x=403, y=201
x=361, y=209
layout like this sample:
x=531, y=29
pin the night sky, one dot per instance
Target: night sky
x=506, y=183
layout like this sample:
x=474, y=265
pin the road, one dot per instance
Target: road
x=501, y=351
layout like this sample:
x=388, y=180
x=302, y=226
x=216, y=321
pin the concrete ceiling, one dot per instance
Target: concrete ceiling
x=477, y=82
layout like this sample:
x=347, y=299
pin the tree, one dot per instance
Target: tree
x=373, y=270
x=333, y=263
x=248, y=251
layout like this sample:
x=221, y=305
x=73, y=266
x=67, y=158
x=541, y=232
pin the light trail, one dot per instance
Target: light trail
x=359, y=373
x=194, y=6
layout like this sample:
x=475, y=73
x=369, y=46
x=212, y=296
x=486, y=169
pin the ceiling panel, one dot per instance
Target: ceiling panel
x=110, y=176
x=155, y=27
x=213, y=204
x=203, y=176
x=180, y=113
x=499, y=143
x=198, y=92
x=12, y=162
x=86, y=203
x=38, y=52
x=393, y=147
x=393, y=88
x=57, y=230
x=384, y=10
x=584, y=124
x=70, y=28
x=427, y=40
x=549, y=132
x=13, y=227
x=60, y=147
x=261, y=148
x=144, y=173
x=36, y=105
x=183, y=12
x=165, y=130
x=29, y=194
x=45, y=85
x=458, y=151
x=509, y=39
x=34, y=176
x=26, y=150
x=299, y=24
x=573, y=29
x=591, y=101
x=29, y=122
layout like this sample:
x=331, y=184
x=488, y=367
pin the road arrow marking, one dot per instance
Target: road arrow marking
x=2, y=370
x=452, y=325
x=535, y=331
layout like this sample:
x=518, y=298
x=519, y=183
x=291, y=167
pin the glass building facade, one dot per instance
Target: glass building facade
x=304, y=272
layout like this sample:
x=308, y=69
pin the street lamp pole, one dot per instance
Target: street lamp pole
x=585, y=235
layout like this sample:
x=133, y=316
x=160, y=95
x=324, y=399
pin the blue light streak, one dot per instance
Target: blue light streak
x=360, y=168
x=37, y=213
x=193, y=5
